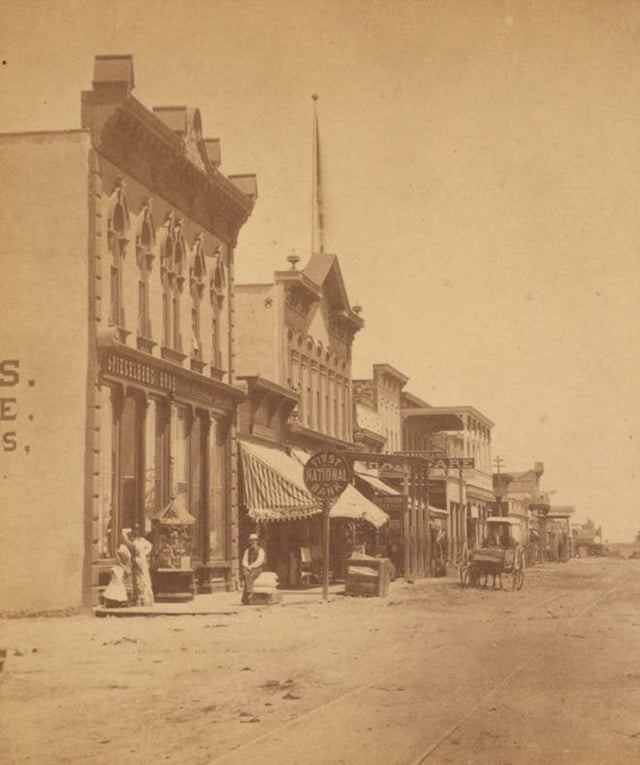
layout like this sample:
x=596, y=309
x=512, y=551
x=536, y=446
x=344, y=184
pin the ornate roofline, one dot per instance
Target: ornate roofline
x=142, y=145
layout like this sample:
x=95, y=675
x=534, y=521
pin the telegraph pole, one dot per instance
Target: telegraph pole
x=499, y=463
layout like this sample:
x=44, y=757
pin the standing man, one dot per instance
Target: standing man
x=252, y=565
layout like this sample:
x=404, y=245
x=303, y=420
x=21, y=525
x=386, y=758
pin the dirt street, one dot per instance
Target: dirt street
x=432, y=674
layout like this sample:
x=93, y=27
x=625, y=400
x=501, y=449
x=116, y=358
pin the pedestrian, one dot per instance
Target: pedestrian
x=142, y=548
x=124, y=559
x=252, y=565
x=115, y=595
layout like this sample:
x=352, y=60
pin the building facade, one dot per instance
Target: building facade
x=136, y=329
x=295, y=339
x=525, y=487
x=465, y=493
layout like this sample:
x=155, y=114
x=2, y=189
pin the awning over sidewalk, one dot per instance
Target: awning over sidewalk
x=378, y=485
x=275, y=489
x=438, y=512
x=273, y=485
x=353, y=505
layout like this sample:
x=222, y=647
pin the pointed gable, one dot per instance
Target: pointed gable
x=324, y=269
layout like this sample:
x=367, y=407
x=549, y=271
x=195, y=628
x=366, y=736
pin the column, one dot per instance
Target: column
x=150, y=462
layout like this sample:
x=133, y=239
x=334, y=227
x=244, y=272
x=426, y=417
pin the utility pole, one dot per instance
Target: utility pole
x=499, y=463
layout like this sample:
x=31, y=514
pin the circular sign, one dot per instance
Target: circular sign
x=327, y=475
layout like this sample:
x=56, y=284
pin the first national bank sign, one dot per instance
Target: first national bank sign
x=327, y=474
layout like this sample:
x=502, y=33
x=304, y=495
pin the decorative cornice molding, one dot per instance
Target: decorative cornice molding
x=141, y=145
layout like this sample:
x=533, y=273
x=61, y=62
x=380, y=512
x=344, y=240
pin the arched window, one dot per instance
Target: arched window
x=117, y=239
x=216, y=295
x=166, y=240
x=197, y=273
x=179, y=256
x=145, y=246
x=172, y=265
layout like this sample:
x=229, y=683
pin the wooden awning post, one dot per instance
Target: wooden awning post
x=326, y=509
x=420, y=530
x=425, y=474
x=406, y=530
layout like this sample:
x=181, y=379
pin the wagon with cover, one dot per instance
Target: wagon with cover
x=500, y=553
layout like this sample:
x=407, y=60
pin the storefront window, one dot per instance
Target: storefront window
x=108, y=454
x=197, y=484
x=180, y=450
x=130, y=462
x=217, y=491
x=162, y=457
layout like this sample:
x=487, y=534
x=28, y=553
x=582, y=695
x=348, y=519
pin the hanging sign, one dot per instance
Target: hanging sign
x=458, y=463
x=327, y=475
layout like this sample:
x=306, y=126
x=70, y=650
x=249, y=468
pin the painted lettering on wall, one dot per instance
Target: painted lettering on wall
x=9, y=378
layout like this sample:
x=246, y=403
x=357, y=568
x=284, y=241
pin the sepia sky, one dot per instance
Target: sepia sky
x=482, y=174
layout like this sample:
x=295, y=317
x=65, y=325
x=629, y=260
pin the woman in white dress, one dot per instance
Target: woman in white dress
x=141, y=562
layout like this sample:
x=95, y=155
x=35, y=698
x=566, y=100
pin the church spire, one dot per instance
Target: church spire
x=317, y=211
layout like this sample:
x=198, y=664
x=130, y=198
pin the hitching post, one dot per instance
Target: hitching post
x=326, y=509
x=326, y=475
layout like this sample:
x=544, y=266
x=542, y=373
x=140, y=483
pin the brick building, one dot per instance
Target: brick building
x=121, y=290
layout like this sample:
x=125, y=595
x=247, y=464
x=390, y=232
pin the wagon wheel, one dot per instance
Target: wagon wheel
x=464, y=566
x=518, y=569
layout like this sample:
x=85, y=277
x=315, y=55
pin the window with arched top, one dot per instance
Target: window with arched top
x=172, y=250
x=197, y=274
x=166, y=243
x=217, y=287
x=145, y=254
x=118, y=225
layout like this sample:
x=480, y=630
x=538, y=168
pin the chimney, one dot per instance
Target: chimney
x=213, y=151
x=247, y=184
x=174, y=117
x=113, y=74
x=538, y=468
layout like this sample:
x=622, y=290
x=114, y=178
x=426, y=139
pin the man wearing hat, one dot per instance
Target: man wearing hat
x=252, y=565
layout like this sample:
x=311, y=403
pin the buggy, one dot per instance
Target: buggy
x=499, y=554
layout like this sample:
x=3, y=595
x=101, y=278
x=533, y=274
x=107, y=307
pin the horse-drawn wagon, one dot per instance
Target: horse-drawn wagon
x=500, y=553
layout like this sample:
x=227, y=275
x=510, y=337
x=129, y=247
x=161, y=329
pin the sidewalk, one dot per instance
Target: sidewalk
x=228, y=603
x=217, y=604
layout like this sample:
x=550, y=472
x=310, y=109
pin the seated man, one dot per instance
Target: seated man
x=252, y=565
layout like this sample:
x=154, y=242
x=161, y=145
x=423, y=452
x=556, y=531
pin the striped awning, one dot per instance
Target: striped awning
x=273, y=485
x=275, y=491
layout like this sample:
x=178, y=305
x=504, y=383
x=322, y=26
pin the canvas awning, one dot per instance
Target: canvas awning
x=273, y=485
x=355, y=506
x=438, y=512
x=275, y=489
x=379, y=486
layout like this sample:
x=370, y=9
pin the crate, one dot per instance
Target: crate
x=368, y=577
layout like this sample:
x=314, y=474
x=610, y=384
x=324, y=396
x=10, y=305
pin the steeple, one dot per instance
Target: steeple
x=317, y=212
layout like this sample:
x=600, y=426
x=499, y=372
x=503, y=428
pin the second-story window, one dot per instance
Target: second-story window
x=197, y=273
x=117, y=239
x=217, y=286
x=179, y=266
x=166, y=276
x=172, y=266
x=145, y=245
